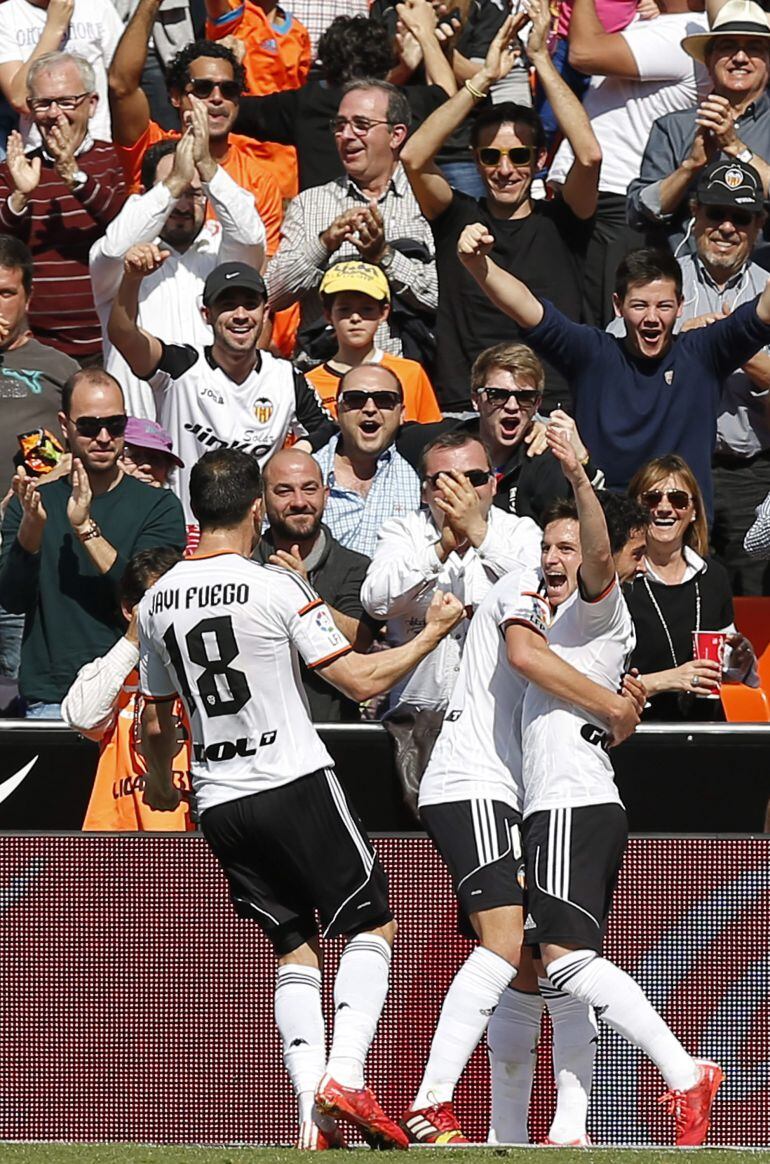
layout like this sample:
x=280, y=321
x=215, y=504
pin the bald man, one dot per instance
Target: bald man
x=296, y=537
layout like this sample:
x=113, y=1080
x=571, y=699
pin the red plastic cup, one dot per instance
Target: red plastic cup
x=709, y=645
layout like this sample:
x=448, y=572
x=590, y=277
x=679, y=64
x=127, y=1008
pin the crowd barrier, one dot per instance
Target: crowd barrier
x=136, y=1007
x=697, y=778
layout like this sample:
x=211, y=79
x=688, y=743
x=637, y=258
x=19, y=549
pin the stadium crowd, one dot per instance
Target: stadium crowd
x=436, y=271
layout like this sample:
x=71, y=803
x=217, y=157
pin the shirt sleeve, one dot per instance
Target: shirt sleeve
x=657, y=56
x=155, y=681
x=269, y=118
x=90, y=705
x=300, y=261
x=600, y=615
x=175, y=360
x=523, y=605
x=401, y=571
x=731, y=341
x=311, y=420
x=140, y=221
x=19, y=570
x=243, y=231
x=757, y=540
x=660, y=159
x=312, y=628
x=569, y=346
x=9, y=49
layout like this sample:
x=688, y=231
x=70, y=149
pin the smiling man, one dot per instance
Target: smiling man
x=225, y=395
x=645, y=395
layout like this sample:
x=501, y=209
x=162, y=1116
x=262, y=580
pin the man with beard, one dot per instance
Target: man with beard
x=66, y=543
x=226, y=395
x=295, y=495
x=181, y=180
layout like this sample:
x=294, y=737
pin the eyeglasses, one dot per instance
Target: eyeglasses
x=359, y=125
x=497, y=397
x=517, y=155
x=678, y=498
x=354, y=400
x=475, y=477
x=730, y=214
x=66, y=104
x=91, y=426
x=203, y=87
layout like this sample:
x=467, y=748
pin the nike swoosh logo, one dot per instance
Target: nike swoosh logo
x=233, y=275
x=10, y=785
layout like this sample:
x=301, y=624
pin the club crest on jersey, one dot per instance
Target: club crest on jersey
x=669, y=376
x=263, y=410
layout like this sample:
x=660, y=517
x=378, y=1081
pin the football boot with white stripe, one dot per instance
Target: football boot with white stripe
x=433, y=1125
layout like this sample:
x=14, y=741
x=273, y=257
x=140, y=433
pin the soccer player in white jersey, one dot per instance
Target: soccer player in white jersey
x=575, y=829
x=470, y=803
x=224, y=633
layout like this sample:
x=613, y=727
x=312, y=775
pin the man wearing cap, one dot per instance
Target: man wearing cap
x=356, y=300
x=732, y=122
x=727, y=218
x=181, y=182
x=226, y=395
x=148, y=452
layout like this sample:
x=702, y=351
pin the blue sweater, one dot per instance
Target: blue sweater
x=629, y=409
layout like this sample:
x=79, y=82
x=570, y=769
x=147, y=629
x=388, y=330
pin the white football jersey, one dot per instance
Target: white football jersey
x=478, y=753
x=224, y=633
x=566, y=764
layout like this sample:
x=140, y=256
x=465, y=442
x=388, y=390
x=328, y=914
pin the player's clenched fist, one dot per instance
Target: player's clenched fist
x=444, y=612
x=474, y=243
x=143, y=259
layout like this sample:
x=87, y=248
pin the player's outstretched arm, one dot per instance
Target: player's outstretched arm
x=364, y=676
x=529, y=654
x=507, y=292
x=597, y=568
x=160, y=746
x=141, y=351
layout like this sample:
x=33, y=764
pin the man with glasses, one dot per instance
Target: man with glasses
x=66, y=543
x=181, y=181
x=59, y=199
x=367, y=478
x=537, y=239
x=370, y=213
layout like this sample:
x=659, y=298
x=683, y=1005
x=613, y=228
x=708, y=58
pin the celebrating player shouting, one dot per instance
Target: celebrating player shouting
x=224, y=632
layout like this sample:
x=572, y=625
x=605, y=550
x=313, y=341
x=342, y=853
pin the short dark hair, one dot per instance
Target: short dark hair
x=16, y=256
x=646, y=265
x=508, y=113
x=382, y=367
x=560, y=509
x=624, y=515
x=355, y=46
x=95, y=375
x=224, y=484
x=161, y=149
x=399, y=110
x=144, y=570
x=456, y=438
x=178, y=69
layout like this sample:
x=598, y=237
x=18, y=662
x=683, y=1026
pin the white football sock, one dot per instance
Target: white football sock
x=359, y=996
x=300, y=1023
x=512, y=1038
x=574, y=1050
x=469, y=1003
x=622, y=1003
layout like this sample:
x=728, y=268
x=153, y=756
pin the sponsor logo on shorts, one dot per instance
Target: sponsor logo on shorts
x=594, y=735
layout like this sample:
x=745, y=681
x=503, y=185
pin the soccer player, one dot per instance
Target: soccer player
x=470, y=803
x=224, y=633
x=575, y=828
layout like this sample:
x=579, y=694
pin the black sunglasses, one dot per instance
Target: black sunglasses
x=730, y=214
x=475, y=477
x=354, y=400
x=678, y=498
x=499, y=396
x=517, y=155
x=91, y=426
x=203, y=88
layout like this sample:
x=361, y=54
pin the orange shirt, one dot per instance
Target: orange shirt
x=277, y=58
x=419, y=397
x=116, y=799
x=240, y=162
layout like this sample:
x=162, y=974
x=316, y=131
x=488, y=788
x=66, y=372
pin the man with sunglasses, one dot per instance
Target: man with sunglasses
x=66, y=543
x=367, y=478
x=728, y=213
x=537, y=239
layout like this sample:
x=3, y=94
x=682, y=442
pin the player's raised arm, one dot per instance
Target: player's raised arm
x=141, y=351
x=364, y=676
x=597, y=569
x=507, y=292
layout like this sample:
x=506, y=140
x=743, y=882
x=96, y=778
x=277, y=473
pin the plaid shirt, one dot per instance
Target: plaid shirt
x=301, y=260
x=355, y=520
x=317, y=15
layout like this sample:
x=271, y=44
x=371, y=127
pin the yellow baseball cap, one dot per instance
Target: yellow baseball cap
x=356, y=276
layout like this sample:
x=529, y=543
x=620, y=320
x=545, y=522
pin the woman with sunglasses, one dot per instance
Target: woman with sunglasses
x=681, y=591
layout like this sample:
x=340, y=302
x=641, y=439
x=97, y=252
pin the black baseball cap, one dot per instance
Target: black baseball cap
x=233, y=275
x=731, y=184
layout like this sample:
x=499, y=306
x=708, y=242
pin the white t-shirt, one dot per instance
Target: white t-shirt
x=93, y=33
x=565, y=764
x=478, y=753
x=622, y=109
x=224, y=633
